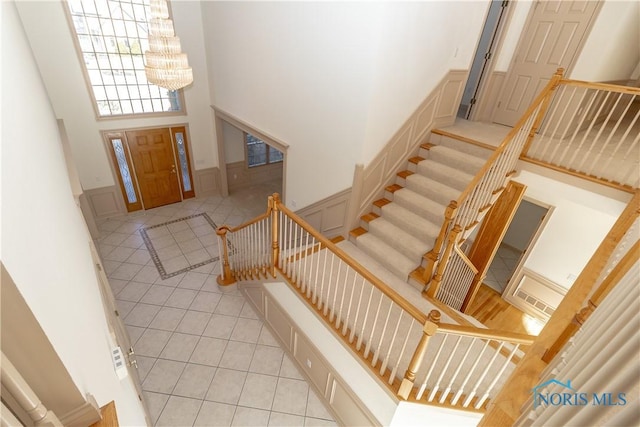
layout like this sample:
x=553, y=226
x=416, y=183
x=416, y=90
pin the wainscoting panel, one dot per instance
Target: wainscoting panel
x=240, y=176
x=207, y=182
x=329, y=215
x=450, y=96
x=105, y=201
x=534, y=294
x=438, y=109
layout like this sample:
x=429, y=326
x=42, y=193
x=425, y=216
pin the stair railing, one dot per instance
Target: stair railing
x=383, y=329
x=591, y=130
x=485, y=187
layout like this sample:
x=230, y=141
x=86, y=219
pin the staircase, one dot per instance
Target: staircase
x=404, y=225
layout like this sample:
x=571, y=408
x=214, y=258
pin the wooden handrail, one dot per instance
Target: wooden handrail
x=383, y=287
x=553, y=82
x=602, y=86
x=491, y=334
x=618, y=272
x=465, y=259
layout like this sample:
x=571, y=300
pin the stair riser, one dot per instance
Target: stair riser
x=431, y=193
x=426, y=214
x=463, y=146
x=439, y=175
x=456, y=162
x=419, y=231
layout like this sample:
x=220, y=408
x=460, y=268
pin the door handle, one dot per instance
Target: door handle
x=173, y=168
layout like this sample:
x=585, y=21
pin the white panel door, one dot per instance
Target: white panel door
x=554, y=32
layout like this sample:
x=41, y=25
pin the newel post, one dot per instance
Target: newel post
x=226, y=276
x=550, y=88
x=274, y=202
x=434, y=254
x=429, y=329
x=434, y=285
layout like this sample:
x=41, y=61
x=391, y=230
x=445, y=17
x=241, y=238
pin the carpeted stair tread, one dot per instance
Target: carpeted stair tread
x=432, y=189
x=415, y=225
x=456, y=159
x=452, y=177
x=387, y=256
x=403, y=242
x=420, y=205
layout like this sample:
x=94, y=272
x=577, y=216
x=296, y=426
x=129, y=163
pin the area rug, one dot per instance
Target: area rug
x=182, y=244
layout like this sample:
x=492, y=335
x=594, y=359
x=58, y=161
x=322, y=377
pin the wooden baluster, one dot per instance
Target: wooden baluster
x=226, y=277
x=435, y=283
x=274, y=201
x=429, y=329
x=603, y=290
x=551, y=87
x=434, y=254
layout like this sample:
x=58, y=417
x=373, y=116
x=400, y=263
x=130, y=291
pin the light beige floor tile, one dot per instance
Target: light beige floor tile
x=152, y=342
x=135, y=332
x=267, y=338
x=194, y=381
x=157, y=295
x=163, y=376
x=126, y=271
x=246, y=330
x=317, y=422
x=278, y=419
x=179, y=411
x=289, y=369
x=192, y=280
x=124, y=308
x=168, y=318
x=120, y=254
x=155, y=403
x=315, y=407
x=258, y=391
x=226, y=386
x=266, y=360
x=208, y=351
x=205, y=301
x=214, y=414
x=134, y=291
x=194, y=322
x=181, y=298
x=237, y=355
x=148, y=274
x=291, y=396
x=250, y=417
x=230, y=305
x=220, y=326
x=139, y=256
x=180, y=347
x=141, y=315
x=144, y=365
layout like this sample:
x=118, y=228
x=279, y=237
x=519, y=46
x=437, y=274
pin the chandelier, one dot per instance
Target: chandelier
x=165, y=64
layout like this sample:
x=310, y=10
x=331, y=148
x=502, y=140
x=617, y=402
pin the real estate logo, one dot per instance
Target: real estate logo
x=568, y=396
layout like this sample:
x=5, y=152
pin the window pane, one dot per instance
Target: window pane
x=275, y=155
x=124, y=170
x=256, y=151
x=184, y=165
x=113, y=36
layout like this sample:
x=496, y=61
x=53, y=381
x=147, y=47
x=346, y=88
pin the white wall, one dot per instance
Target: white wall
x=51, y=39
x=233, y=143
x=577, y=225
x=39, y=216
x=334, y=80
x=612, y=49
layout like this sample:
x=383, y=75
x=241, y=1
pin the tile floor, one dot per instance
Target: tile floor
x=204, y=357
x=502, y=267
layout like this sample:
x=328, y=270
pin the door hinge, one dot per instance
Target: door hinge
x=473, y=101
x=487, y=55
x=505, y=3
x=116, y=312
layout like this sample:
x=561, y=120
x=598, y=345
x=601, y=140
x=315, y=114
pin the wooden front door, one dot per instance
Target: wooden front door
x=551, y=39
x=154, y=161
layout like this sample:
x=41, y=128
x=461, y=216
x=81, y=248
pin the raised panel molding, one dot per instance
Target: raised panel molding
x=207, y=182
x=439, y=108
x=329, y=216
x=105, y=201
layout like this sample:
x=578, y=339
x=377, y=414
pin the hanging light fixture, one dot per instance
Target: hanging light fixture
x=165, y=64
